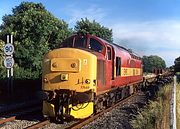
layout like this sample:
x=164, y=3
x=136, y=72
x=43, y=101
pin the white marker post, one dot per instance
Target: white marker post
x=174, y=107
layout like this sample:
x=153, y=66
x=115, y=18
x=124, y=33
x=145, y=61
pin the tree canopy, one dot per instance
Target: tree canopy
x=35, y=31
x=177, y=64
x=86, y=26
x=153, y=61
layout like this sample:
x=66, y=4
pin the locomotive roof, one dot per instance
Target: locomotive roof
x=133, y=54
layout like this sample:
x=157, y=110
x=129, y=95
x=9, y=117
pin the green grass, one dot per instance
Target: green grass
x=178, y=105
x=155, y=115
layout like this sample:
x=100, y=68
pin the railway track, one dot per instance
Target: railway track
x=77, y=124
x=19, y=114
x=39, y=124
x=34, y=126
x=2, y=121
x=83, y=122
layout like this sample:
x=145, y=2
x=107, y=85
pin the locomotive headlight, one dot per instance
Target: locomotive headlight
x=45, y=80
x=64, y=77
x=87, y=81
x=55, y=65
x=73, y=65
x=46, y=60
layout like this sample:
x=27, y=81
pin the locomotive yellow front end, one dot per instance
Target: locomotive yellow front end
x=69, y=81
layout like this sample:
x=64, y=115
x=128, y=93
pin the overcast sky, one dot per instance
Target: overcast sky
x=149, y=27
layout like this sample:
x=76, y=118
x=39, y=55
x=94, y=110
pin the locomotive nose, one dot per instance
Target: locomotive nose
x=71, y=69
x=67, y=71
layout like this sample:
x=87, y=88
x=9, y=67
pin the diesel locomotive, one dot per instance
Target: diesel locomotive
x=87, y=74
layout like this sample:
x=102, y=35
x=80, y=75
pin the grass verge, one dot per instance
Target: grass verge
x=178, y=105
x=156, y=114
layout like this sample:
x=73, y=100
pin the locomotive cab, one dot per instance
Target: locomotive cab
x=86, y=42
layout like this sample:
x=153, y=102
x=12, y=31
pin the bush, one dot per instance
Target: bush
x=23, y=74
x=146, y=119
x=153, y=115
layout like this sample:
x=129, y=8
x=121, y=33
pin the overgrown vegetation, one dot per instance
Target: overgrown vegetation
x=36, y=31
x=177, y=65
x=156, y=114
x=178, y=105
x=151, y=62
x=85, y=26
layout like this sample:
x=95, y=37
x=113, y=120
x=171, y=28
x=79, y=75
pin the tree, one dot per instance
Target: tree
x=94, y=28
x=36, y=31
x=1, y=52
x=177, y=64
x=151, y=62
x=2, y=69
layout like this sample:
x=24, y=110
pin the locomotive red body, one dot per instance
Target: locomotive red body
x=117, y=71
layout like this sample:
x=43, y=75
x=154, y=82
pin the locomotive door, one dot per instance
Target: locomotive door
x=109, y=66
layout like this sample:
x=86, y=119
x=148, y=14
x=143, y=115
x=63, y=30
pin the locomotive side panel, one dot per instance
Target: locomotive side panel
x=121, y=68
x=137, y=73
x=129, y=70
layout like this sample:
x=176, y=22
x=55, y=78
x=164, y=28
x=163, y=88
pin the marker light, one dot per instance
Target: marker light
x=64, y=77
x=87, y=81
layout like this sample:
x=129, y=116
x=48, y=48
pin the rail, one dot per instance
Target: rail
x=16, y=114
x=39, y=125
x=2, y=121
x=90, y=119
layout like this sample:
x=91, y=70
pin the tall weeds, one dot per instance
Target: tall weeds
x=178, y=105
x=152, y=115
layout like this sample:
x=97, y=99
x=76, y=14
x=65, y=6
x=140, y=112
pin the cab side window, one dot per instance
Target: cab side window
x=108, y=53
x=67, y=43
x=118, y=66
x=95, y=45
x=80, y=42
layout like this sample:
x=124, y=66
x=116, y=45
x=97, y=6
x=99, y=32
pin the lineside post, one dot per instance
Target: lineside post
x=9, y=62
x=11, y=71
x=173, y=106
